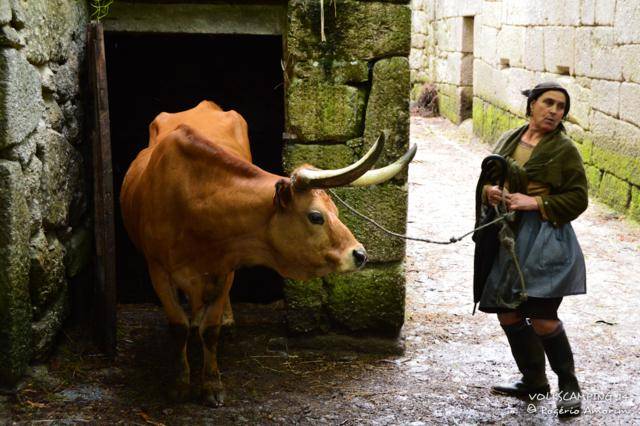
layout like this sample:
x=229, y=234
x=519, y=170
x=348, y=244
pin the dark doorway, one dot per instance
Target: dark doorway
x=149, y=74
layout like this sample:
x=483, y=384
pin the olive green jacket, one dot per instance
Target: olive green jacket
x=554, y=161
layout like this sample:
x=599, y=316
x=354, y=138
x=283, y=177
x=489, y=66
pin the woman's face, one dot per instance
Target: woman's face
x=547, y=111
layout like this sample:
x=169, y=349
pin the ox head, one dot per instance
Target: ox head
x=306, y=232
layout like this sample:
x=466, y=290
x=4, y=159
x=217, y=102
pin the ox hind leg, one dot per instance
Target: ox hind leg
x=216, y=296
x=178, y=331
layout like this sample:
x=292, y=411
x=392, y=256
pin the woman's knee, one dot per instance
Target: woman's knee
x=508, y=318
x=544, y=326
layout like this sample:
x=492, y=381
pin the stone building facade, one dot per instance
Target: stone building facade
x=44, y=230
x=339, y=95
x=480, y=54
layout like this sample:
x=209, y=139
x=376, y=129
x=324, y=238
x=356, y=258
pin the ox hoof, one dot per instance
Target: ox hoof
x=213, y=395
x=180, y=392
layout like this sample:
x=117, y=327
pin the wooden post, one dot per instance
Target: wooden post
x=105, y=261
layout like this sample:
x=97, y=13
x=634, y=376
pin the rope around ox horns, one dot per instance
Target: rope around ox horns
x=508, y=216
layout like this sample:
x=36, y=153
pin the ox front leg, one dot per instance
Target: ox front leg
x=217, y=297
x=178, y=332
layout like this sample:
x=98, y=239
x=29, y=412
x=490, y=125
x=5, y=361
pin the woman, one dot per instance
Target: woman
x=547, y=188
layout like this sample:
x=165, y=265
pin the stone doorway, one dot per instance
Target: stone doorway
x=153, y=73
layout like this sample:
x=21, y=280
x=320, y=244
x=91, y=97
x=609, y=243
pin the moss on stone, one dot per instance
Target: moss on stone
x=387, y=205
x=614, y=191
x=321, y=156
x=46, y=328
x=618, y=159
x=21, y=104
x=388, y=108
x=350, y=72
x=335, y=71
x=369, y=300
x=356, y=31
x=594, y=176
x=634, y=207
x=306, y=302
x=478, y=116
x=15, y=306
x=319, y=111
x=488, y=124
x=47, y=272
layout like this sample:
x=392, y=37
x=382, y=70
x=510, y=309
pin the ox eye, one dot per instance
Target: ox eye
x=316, y=218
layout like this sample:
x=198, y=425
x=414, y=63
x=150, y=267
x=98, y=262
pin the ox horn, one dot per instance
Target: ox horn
x=310, y=178
x=374, y=177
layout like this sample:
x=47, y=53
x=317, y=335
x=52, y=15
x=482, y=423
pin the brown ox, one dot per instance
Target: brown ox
x=198, y=209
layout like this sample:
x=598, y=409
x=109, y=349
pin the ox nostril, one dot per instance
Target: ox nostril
x=360, y=257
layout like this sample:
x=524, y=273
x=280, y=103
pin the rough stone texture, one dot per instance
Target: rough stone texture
x=559, y=50
x=49, y=25
x=359, y=30
x=634, y=208
x=21, y=103
x=320, y=156
x=306, y=306
x=615, y=149
x=534, y=46
x=606, y=96
x=60, y=178
x=11, y=38
x=5, y=12
x=15, y=308
x=594, y=176
x=320, y=111
x=605, y=12
x=559, y=12
x=47, y=273
x=78, y=250
x=588, y=12
x=596, y=56
x=630, y=103
x=626, y=25
x=53, y=113
x=511, y=45
x=477, y=115
x=45, y=330
x=196, y=17
x=614, y=191
x=336, y=71
x=372, y=299
x=630, y=56
x=388, y=108
x=386, y=205
x=581, y=100
x=73, y=116
x=455, y=102
x=32, y=179
x=486, y=45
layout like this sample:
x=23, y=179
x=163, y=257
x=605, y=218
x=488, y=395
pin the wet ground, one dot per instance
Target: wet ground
x=451, y=357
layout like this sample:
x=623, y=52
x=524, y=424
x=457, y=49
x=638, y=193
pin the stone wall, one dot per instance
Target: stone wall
x=590, y=46
x=340, y=94
x=442, y=53
x=44, y=240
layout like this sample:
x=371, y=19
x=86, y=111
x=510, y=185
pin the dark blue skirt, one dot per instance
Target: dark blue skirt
x=550, y=259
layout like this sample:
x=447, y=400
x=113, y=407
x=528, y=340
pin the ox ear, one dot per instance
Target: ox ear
x=283, y=195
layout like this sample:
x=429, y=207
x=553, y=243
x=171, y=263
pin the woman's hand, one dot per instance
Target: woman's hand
x=494, y=195
x=518, y=201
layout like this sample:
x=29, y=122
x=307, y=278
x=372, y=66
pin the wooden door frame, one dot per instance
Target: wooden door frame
x=105, y=299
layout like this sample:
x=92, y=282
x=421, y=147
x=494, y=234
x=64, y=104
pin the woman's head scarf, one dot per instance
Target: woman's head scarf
x=538, y=90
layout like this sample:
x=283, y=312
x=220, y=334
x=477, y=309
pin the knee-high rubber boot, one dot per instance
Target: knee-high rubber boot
x=528, y=353
x=556, y=345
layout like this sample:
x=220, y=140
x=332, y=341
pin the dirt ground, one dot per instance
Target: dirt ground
x=451, y=357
